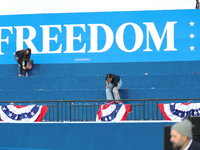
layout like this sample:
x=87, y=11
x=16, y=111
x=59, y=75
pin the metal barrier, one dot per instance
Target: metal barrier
x=86, y=110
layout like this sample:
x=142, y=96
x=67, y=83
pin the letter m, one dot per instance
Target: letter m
x=169, y=29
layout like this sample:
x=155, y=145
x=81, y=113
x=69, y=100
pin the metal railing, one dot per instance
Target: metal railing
x=86, y=110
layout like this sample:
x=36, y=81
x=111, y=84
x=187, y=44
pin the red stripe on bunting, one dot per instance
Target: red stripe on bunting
x=128, y=110
x=99, y=112
x=44, y=110
x=21, y=106
x=161, y=106
x=185, y=104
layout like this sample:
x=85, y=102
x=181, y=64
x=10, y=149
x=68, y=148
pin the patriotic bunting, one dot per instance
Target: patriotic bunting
x=29, y=113
x=178, y=111
x=113, y=112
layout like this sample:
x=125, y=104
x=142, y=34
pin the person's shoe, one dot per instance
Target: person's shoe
x=104, y=103
x=20, y=75
x=120, y=102
x=112, y=102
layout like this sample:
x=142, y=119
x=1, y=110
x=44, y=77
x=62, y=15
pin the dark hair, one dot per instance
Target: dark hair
x=109, y=75
x=27, y=56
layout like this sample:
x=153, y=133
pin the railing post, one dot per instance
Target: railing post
x=70, y=113
x=156, y=109
x=57, y=111
x=143, y=109
x=61, y=111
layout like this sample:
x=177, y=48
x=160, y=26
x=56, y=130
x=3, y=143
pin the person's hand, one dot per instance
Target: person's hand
x=106, y=86
x=23, y=67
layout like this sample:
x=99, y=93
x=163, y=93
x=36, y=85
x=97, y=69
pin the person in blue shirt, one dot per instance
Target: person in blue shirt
x=113, y=83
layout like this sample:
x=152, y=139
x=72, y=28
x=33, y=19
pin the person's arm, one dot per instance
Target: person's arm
x=106, y=84
x=116, y=92
x=20, y=59
x=19, y=62
x=20, y=55
x=23, y=65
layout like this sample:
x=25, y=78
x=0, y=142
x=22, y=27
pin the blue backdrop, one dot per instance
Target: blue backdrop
x=84, y=136
x=138, y=36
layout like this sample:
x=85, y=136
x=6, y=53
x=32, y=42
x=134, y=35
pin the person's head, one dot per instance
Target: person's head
x=181, y=133
x=28, y=51
x=109, y=77
x=27, y=54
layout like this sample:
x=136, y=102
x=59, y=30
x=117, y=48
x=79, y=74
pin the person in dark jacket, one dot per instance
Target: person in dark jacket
x=22, y=57
x=197, y=4
x=113, y=83
x=181, y=136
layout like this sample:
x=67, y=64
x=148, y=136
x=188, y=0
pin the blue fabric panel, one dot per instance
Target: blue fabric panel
x=76, y=136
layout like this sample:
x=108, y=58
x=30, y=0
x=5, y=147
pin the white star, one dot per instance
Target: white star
x=191, y=23
x=32, y=113
x=25, y=116
x=4, y=108
x=179, y=114
x=192, y=48
x=195, y=113
x=172, y=104
x=110, y=118
x=10, y=115
x=105, y=119
x=192, y=36
x=199, y=111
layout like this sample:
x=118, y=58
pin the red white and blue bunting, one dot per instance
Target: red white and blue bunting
x=113, y=112
x=29, y=113
x=178, y=111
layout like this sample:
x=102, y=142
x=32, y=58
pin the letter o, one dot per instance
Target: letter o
x=138, y=37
